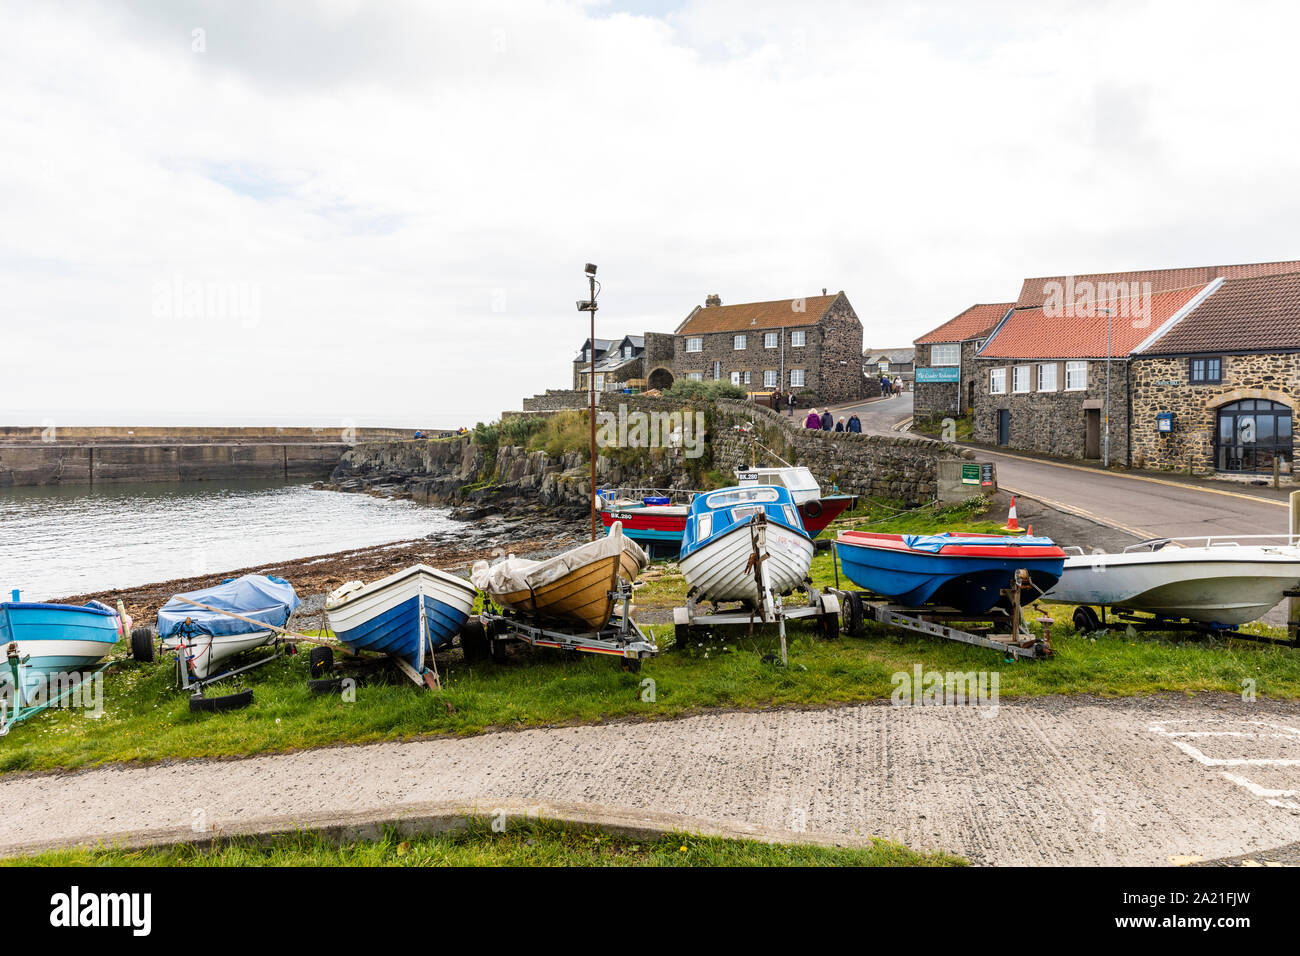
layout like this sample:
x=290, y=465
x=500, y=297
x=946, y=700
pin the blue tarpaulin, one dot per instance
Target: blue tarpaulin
x=262, y=597
x=934, y=542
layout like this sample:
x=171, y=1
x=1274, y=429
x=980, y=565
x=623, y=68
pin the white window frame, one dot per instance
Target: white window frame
x=1047, y=366
x=940, y=356
x=771, y=340
x=997, y=381
x=735, y=378
x=739, y=342
x=717, y=371
x=1016, y=376
x=694, y=376
x=798, y=338
x=798, y=378
x=1076, y=366
x=770, y=378
x=748, y=380
x=695, y=343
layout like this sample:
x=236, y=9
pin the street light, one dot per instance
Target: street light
x=1105, y=441
x=590, y=306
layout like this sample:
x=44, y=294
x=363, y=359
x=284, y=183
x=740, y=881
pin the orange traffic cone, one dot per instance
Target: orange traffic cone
x=1012, y=524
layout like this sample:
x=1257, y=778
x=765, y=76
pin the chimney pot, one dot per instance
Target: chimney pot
x=712, y=300
x=823, y=290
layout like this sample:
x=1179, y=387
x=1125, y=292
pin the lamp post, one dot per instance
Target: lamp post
x=1105, y=441
x=590, y=306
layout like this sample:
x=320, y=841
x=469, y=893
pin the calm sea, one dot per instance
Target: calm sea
x=70, y=540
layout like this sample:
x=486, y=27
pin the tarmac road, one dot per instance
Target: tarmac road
x=1048, y=781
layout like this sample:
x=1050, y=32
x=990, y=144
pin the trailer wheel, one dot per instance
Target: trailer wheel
x=142, y=644
x=851, y=619
x=473, y=642
x=830, y=625
x=632, y=665
x=212, y=705
x=1086, y=620
x=498, y=649
x=320, y=661
x=681, y=634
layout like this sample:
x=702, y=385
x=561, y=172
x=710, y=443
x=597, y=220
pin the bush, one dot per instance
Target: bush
x=687, y=389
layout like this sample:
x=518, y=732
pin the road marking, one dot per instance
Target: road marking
x=1265, y=730
x=1080, y=512
x=1154, y=481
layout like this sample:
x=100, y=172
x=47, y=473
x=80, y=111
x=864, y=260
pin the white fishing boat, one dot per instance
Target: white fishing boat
x=745, y=543
x=204, y=633
x=1216, y=581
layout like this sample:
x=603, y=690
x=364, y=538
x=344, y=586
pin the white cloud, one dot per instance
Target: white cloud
x=383, y=175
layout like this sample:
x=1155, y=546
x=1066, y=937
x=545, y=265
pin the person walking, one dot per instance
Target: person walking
x=792, y=404
x=839, y=425
x=855, y=424
x=828, y=420
x=898, y=385
x=813, y=420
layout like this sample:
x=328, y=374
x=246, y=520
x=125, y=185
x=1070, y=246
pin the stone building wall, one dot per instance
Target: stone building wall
x=932, y=400
x=1162, y=385
x=1053, y=423
x=658, y=357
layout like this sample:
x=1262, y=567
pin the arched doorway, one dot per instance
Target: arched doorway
x=1251, y=434
x=661, y=379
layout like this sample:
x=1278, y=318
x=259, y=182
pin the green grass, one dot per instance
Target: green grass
x=523, y=843
x=146, y=719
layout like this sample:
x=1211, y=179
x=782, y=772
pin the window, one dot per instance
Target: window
x=695, y=376
x=1020, y=378
x=738, y=342
x=997, y=381
x=798, y=339
x=770, y=340
x=600, y=381
x=945, y=355
x=1206, y=371
x=747, y=378
x=717, y=371
x=627, y=351
x=884, y=366
x=1076, y=376
x=1047, y=377
x=1253, y=433
x=695, y=343
x=735, y=378
x=798, y=377
x=769, y=378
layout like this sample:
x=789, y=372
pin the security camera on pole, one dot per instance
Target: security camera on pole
x=590, y=306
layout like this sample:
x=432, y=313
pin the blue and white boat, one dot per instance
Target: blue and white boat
x=206, y=638
x=409, y=614
x=49, y=641
x=964, y=571
x=745, y=543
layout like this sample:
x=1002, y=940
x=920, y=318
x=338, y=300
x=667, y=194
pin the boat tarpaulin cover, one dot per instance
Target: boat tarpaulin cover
x=262, y=597
x=936, y=542
x=520, y=574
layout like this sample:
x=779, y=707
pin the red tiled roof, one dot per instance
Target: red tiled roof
x=1251, y=314
x=757, y=315
x=1032, y=334
x=1034, y=291
x=971, y=324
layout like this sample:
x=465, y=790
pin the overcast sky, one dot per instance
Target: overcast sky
x=395, y=200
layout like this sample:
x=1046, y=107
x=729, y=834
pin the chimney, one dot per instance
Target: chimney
x=712, y=300
x=823, y=290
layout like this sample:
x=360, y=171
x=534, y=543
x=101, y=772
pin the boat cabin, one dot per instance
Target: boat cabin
x=719, y=512
x=799, y=481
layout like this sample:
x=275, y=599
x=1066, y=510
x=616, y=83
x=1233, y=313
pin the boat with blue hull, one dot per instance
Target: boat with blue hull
x=49, y=640
x=964, y=571
x=409, y=614
x=745, y=543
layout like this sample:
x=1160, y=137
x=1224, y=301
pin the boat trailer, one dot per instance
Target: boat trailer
x=621, y=637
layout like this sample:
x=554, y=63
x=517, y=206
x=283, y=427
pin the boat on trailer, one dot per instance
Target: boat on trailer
x=578, y=586
x=204, y=638
x=409, y=614
x=656, y=518
x=968, y=572
x=745, y=543
x=52, y=642
x=1216, y=581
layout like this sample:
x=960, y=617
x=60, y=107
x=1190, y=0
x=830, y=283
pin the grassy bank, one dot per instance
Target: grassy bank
x=145, y=718
x=527, y=843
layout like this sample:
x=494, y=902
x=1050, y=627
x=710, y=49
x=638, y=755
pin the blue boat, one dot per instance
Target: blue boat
x=49, y=643
x=205, y=638
x=409, y=614
x=966, y=571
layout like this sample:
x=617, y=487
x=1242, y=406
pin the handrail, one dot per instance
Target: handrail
x=1216, y=541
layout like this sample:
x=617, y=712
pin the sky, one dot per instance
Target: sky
x=378, y=213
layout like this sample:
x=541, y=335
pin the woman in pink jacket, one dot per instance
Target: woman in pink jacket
x=813, y=420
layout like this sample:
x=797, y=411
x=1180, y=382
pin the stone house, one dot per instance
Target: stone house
x=1225, y=382
x=896, y=363
x=811, y=346
x=946, y=375
x=619, y=363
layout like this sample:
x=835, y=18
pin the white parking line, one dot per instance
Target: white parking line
x=1263, y=731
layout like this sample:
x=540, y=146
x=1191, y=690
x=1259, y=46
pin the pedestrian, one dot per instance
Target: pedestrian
x=813, y=420
x=792, y=404
x=828, y=420
x=898, y=385
x=884, y=386
x=839, y=425
x=855, y=424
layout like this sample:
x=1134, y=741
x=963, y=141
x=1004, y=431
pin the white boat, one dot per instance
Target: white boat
x=745, y=543
x=206, y=634
x=410, y=614
x=1217, y=581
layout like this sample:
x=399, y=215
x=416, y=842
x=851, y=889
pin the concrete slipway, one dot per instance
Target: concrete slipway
x=1051, y=781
